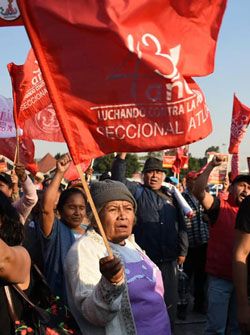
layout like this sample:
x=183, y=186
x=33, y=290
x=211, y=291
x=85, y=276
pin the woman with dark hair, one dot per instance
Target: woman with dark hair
x=58, y=234
x=11, y=229
x=15, y=262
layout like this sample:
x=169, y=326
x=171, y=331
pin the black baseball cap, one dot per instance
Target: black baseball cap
x=240, y=178
x=6, y=178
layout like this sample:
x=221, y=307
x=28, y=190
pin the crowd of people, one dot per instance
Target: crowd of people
x=154, y=232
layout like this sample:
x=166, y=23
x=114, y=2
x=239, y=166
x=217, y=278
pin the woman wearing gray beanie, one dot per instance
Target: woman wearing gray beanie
x=122, y=295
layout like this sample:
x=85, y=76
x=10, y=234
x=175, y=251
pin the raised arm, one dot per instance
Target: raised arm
x=118, y=170
x=15, y=189
x=14, y=264
x=199, y=189
x=29, y=198
x=51, y=195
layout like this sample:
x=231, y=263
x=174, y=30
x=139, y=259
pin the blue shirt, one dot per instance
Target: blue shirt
x=54, y=249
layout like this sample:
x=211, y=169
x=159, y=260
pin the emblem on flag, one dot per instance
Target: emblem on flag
x=9, y=10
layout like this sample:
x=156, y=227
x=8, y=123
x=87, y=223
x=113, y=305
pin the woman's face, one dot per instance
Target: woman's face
x=117, y=218
x=74, y=210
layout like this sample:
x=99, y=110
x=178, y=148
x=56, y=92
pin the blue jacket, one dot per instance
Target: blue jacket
x=160, y=228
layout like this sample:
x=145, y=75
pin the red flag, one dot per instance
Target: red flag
x=72, y=173
x=9, y=13
x=26, y=151
x=33, y=110
x=235, y=170
x=181, y=160
x=113, y=70
x=239, y=124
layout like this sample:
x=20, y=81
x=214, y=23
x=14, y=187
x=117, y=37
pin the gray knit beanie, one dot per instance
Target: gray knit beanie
x=110, y=190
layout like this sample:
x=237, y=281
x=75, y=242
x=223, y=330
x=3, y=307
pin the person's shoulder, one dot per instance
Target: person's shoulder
x=214, y=210
x=85, y=252
x=58, y=229
x=89, y=243
x=217, y=203
x=246, y=204
x=131, y=243
x=243, y=216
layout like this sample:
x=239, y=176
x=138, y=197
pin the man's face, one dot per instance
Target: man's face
x=5, y=189
x=154, y=179
x=240, y=191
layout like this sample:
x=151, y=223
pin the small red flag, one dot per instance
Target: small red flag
x=181, y=160
x=33, y=110
x=72, y=173
x=26, y=151
x=115, y=70
x=239, y=124
x=235, y=170
x=9, y=13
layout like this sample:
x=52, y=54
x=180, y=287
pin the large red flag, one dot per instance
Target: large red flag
x=239, y=124
x=113, y=70
x=26, y=151
x=33, y=110
x=9, y=13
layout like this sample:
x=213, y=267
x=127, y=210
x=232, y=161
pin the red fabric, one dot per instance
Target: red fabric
x=124, y=59
x=192, y=175
x=181, y=160
x=26, y=151
x=240, y=122
x=221, y=241
x=72, y=173
x=235, y=169
x=33, y=110
x=9, y=13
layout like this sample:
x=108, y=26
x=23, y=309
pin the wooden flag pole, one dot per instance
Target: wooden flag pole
x=91, y=167
x=16, y=157
x=93, y=208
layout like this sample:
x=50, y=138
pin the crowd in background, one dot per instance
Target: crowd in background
x=172, y=245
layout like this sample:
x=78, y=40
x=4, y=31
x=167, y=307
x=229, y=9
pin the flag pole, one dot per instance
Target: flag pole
x=16, y=157
x=93, y=208
x=91, y=167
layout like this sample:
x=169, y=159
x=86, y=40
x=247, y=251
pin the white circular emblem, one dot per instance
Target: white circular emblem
x=9, y=10
x=46, y=120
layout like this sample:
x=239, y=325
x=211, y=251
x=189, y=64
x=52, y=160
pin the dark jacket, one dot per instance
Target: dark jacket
x=160, y=228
